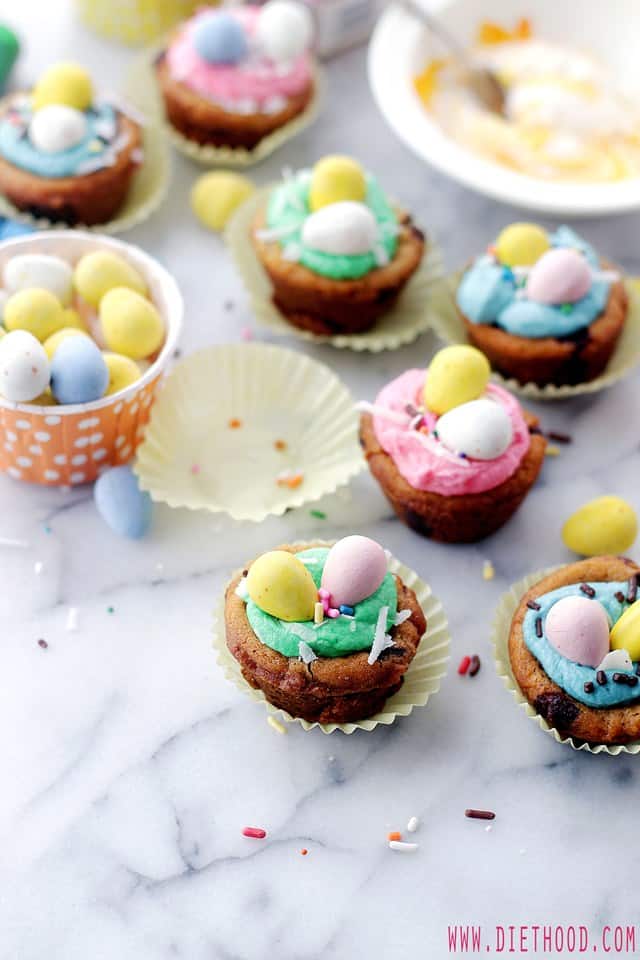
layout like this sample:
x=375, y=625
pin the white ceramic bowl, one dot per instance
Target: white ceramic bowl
x=398, y=52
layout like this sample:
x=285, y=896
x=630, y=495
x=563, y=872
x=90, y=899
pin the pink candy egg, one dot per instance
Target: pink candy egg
x=579, y=629
x=561, y=275
x=354, y=569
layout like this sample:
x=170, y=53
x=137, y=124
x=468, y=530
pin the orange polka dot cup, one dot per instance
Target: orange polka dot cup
x=70, y=444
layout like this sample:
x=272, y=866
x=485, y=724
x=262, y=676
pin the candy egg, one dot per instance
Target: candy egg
x=130, y=324
x=98, y=272
x=78, y=371
x=281, y=585
x=341, y=228
x=42, y=271
x=521, y=244
x=456, y=375
x=215, y=196
x=219, y=38
x=63, y=83
x=73, y=319
x=480, y=429
x=124, y=507
x=24, y=367
x=52, y=343
x=354, y=569
x=604, y=525
x=284, y=30
x=56, y=128
x=123, y=371
x=579, y=630
x=35, y=310
x=334, y=179
x=560, y=276
x=625, y=634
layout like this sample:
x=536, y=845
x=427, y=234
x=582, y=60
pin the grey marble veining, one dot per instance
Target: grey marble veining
x=130, y=766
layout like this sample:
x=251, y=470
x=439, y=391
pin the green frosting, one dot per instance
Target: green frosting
x=289, y=207
x=334, y=638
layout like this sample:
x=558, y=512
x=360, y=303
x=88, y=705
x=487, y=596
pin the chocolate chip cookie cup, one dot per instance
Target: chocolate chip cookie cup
x=565, y=646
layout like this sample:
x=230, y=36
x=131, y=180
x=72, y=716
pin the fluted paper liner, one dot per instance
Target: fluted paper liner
x=69, y=444
x=134, y=21
x=449, y=327
x=211, y=442
x=421, y=680
x=500, y=639
x=410, y=316
x=143, y=90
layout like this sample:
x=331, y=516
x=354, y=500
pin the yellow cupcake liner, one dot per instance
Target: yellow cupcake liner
x=405, y=321
x=500, y=640
x=421, y=681
x=236, y=425
x=147, y=190
x=449, y=327
x=134, y=21
x=143, y=90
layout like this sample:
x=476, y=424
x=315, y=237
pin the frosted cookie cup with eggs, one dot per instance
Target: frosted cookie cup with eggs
x=50, y=442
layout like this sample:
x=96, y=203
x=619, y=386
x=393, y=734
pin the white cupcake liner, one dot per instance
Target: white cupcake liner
x=421, y=681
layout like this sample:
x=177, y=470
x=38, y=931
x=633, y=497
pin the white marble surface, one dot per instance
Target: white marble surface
x=129, y=766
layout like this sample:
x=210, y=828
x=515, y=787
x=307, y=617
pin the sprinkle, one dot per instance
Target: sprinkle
x=601, y=677
x=488, y=571
x=401, y=616
x=43, y=644
x=324, y=594
x=256, y=833
x=228, y=304
x=587, y=590
x=111, y=610
x=346, y=610
x=305, y=652
x=280, y=444
x=394, y=835
x=472, y=814
x=625, y=679
x=72, y=619
x=276, y=725
x=318, y=514
x=559, y=437
x=566, y=308
x=304, y=852
x=413, y=824
x=38, y=567
x=332, y=613
x=94, y=146
x=246, y=334
x=47, y=528
x=291, y=480
x=533, y=605
x=403, y=847
x=619, y=595
x=235, y=424
x=380, y=639
x=195, y=469
x=475, y=665
x=463, y=666
x=588, y=686
x=538, y=626
x=488, y=828
x=318, y=612
x=552, y=451
x=633, y=589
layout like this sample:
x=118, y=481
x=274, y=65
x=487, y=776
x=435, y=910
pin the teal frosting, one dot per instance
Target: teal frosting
x=568, y=675
x=488, y=294
x=289, y=207
x=334, y=638
x=92, y=153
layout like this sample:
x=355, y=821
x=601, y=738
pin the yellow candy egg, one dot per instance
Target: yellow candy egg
x=281, y=585
x=37, y=311
x=625, y=634
x=45, y=399
x=73, y=319
x=216, y=195
x=521, y=244
x=130, y=324
x=98, y=272
x=456, y=375
x=52, y=343
x=604, y=525
x=335, y=179
x=68, y=84
x=123, y=371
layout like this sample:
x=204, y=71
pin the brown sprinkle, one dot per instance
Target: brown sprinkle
x=633, y=589
x=588, y=687
x=538, y=626
x=559, y=437
x=601, y=677
x=626, y=679
x=280, y=444
x=533, y=605
x=619, y=595
x=472, y=814
x=475, y=665
x=43, y=644
x=234, y=424
x=587, y=590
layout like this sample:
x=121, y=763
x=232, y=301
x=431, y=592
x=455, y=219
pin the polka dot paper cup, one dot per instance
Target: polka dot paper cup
x=71, y=444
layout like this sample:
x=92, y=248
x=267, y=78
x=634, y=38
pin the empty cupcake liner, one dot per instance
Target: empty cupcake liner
x=134, y=21
x=421, y=681
x=70, y=444
x=449, y=327
x=405, y=321
x=249, y=430
x=500, y=638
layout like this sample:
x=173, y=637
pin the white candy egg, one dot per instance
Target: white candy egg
x=284, y=30
x=24, y=367
x=56, y=128
x=481, y=429
x=341, y=228
x=42, y=271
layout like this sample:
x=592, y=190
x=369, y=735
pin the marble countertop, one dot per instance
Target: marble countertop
x=130, y=766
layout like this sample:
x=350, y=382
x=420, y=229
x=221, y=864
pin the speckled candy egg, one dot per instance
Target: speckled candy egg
x=124, y=507
x=130, y=324
x=604, y=525
x=35, y=310
x=579, y=630
x=480, y=429
x=521, y=244
x=335, y=179
x=64, y=83
x=24, y=368
x=57, y=128
x=560, y=276
x=78, y=371
x=219, y=38
x=280, y=584
x=284, y=30
x=342, y=228
x=456, y=375
x=354, y=569
x=98, y=272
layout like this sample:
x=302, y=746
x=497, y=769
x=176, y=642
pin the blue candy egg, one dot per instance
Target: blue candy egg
x=79, y=373
x=219, y=38
x=122, y=504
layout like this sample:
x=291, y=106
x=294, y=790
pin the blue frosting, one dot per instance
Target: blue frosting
x=568, y=675
x=488, y=294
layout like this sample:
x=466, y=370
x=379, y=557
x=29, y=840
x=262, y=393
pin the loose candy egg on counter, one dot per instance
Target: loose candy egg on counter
x=625, y=634
x=216, y=195
x=480, y=429
x=521, y=244
x=79, y=373
x=605, y=525
x=124, y=507
x=52, y=343
x=579, y=629
x=559, y=276
x=130, y=324
x=341, y=228
x=284, y=30
x=219, y=37
x=280, y=584
x=335, y=179
x=35, y=310
x=98, y=272
x=63, y=83
x=24, y=367
x=354, y=569
x=123, y=371
x=57, y=128
x=456, y=375
x=42, y=271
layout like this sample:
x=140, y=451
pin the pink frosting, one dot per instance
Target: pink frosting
x=254, y=79
x=424, y=462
